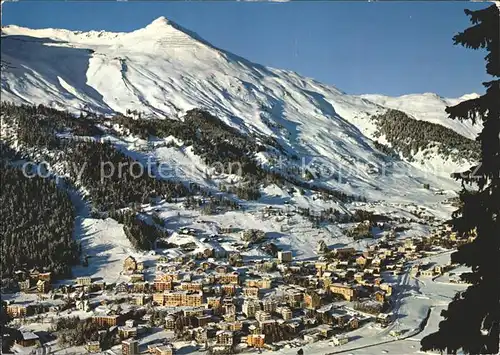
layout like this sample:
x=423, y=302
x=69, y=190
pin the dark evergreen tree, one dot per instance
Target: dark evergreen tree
x=471, y=323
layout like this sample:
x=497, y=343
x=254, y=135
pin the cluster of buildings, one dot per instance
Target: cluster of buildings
x=220, y=305
x=33, y=280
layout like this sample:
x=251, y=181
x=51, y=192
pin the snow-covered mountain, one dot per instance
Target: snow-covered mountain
x=429, y=107
x=165, y=70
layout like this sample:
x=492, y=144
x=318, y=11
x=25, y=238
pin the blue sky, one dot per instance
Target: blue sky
x=391, y=48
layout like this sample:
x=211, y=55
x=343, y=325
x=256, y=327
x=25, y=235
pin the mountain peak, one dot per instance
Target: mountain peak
x=164, y=27
x=161, y=21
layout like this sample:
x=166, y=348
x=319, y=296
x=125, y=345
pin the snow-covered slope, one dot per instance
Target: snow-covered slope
x=429, y=107
x=165, y=70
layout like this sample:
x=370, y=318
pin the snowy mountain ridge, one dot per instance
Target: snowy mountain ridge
x=164, y=70
x=429, y=107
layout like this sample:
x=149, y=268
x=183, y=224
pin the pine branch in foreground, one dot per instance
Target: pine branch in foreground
x=471, y=322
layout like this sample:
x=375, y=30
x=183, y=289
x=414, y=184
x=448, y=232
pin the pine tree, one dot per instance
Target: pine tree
x=471, y=322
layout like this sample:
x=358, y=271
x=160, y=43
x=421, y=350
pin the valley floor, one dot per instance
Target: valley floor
x=415, y=297
x=419, y=303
